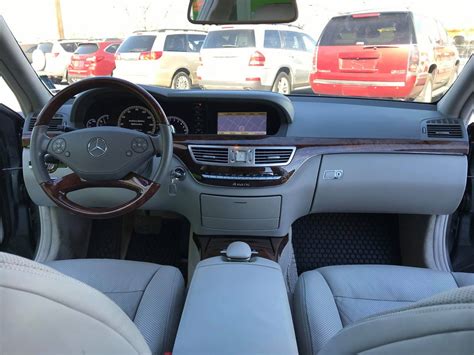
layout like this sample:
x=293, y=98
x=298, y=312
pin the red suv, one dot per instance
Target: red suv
x=95, y=58
x=397, y=55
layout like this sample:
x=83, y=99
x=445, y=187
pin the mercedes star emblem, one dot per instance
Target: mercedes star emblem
x=97, y=147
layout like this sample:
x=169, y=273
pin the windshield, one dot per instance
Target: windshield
x=413, y=51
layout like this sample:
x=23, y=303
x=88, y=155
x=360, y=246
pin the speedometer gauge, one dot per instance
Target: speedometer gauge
x=180, y=127
x=138, y=118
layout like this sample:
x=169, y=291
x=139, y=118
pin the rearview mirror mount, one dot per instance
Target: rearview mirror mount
x=227, y=12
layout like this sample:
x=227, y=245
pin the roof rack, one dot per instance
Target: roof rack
x=171, y=29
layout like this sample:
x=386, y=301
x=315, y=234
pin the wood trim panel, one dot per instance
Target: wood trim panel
x=307, y=147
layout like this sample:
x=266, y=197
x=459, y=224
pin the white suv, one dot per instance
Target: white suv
x=52, y=58
x=166, y=58
x=262, y=57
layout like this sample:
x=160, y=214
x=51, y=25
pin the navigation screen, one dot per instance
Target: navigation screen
x=242, y=123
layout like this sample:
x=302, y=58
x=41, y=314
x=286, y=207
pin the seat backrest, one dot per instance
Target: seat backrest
x=45, y=312
x=443, y=324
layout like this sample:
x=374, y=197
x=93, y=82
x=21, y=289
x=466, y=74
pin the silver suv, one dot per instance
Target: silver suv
x=165, y=58
x=262, y=57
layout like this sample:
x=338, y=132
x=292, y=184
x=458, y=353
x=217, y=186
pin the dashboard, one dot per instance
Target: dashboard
x=251, y=163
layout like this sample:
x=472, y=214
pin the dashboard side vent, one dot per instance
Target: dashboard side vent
x=274, y=156
x=444, y=128
x=54, y=125
x=210, y=154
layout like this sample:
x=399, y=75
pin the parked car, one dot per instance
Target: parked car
x=262, y=57
x=52, y=58
x=165, y=57
x=28, y=49
x=398, y=55
x=94, y=58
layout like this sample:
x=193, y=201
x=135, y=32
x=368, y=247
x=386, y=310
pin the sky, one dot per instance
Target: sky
x=35, y=20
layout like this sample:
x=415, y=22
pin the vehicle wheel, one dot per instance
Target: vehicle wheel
x=65, y=78
x=69, y=80
x=427, y=93
x=181, y=81
x=282, y=84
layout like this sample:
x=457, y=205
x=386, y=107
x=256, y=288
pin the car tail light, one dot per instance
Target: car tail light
x=370, y=14
x=257, y=60
x=315, y=60
x=95, y=59
x=153, y=55
x=413, y=60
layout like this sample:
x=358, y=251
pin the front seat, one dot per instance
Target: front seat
x=131, y=308
x=384, y=309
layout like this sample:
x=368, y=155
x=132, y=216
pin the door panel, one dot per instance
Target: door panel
x=11, y=181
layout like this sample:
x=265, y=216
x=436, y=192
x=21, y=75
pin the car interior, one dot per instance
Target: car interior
x=137, y=219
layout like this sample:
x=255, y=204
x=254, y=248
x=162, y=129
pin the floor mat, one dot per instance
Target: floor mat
x=105, y=238
x=168, y=247
x=341, y=239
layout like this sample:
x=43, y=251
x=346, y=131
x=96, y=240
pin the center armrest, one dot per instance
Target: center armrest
x=236, y=308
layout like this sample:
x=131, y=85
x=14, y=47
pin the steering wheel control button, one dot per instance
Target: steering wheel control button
x=97, y=147
x=59, y=146
x=139, y=145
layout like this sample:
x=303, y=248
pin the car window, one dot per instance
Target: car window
x=7, y=96
x=292, y=40
x=31, y=49
x=112, y=48
x=86, y=48
x=195, y=43
x=69, y=47
x=309, y=43
x=137, y=44
x=272, y=39
x=175, y=43
x=45, y=47
x=230, y=39
x=371, y=29
x=333, y=48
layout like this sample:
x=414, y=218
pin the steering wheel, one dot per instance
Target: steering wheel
x=101, y=156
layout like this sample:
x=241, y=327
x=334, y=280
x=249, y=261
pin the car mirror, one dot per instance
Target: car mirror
x=225, y=12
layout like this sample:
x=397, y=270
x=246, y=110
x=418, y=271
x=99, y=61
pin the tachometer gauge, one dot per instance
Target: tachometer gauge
x=91, y=123
x=180, y=127
x=103, y=120
x=138, y=118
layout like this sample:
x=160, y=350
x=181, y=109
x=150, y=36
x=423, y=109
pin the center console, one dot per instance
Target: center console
x=237, y=304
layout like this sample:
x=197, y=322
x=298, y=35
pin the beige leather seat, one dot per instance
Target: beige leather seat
x=131, y=308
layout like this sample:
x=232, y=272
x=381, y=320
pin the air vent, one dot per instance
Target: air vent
x=444, y=128
x=210, y=154
x=273, y=156
x=54, y=125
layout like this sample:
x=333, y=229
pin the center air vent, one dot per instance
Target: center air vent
x=54, y=125
x=241, y=156
x=444, y=128
x=273, y=156
x=210, y=154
